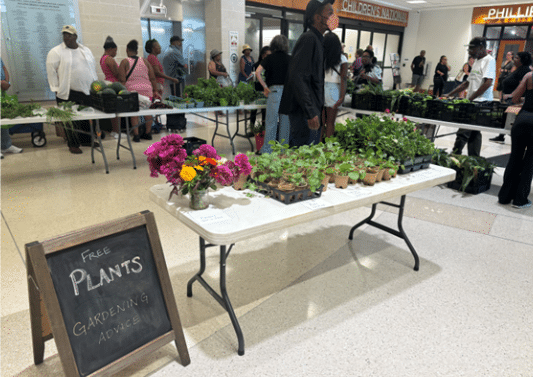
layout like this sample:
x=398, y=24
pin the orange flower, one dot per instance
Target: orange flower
x=187, y=173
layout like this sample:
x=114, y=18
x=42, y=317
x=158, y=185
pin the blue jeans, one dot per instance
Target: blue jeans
x=6, y=138
x=272, y=118
x=301, y=134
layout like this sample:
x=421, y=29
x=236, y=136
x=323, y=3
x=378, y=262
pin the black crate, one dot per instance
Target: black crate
x=109, y=103
x=289, y=197
x=361, y=101
x=192, y=143
x=435, y=108
x=403, y=105
x=491, y=114
x=476, y=186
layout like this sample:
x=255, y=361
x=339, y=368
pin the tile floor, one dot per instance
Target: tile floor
x=310, y=302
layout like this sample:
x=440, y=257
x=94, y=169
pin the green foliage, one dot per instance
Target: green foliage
x=11, y=108
x=246, y=92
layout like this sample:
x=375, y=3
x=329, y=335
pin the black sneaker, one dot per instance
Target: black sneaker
x=498, y=139
x=146, y=136
x=521, y=206
x=136, y=139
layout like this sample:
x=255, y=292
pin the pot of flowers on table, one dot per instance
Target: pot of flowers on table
x=192, y=175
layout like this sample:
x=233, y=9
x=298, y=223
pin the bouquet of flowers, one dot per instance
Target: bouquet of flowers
x=189, y=174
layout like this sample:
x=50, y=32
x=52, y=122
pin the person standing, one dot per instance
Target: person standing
x=480, y=84
x=358, y=62
x=71, y=69
x=521, y=63
x=303, y=93
x=138, y=76
x=336, y=66
x=275, y=67
x=265, y=51
x=417, y=67
x=519, y=171
x=7, y=147
x=110, y=69
x=441, y=76
x=505, y=70
x=175, y=65
x=153, y=48
x=369, y=73
x=246, y=64
x=216, y=68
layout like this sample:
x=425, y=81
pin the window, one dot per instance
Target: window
x=156, y=29
x=493, y=32
x=514, y=32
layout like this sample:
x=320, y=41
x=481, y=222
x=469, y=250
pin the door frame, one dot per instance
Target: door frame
x=503, y=48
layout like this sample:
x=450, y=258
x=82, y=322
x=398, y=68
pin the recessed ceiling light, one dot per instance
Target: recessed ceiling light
x=417, y=1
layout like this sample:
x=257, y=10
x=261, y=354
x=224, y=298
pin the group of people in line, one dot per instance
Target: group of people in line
x=478, y=77
x=71, y=70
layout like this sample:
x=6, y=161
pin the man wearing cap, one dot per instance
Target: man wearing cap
x=175, y=65
x=303, y=95
x=71, y=69
x=480, y=83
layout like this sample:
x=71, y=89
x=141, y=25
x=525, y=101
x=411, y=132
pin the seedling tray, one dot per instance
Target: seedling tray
x=289, y=197
x=481, y=184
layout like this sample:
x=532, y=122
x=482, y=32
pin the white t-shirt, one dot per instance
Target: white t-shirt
x=482, y=68
x=79, y=79
x=332, y=76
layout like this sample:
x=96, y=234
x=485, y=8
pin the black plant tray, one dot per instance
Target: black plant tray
x=409, y=166
x=192, y=143
x=111, y=104
x=481, y=184
x=289, y=197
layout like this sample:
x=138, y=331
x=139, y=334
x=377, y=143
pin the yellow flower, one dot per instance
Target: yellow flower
x=199, y=168
x=187, y=173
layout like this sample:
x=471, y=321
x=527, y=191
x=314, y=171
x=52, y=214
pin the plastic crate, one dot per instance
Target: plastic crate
x=491, y=114
x=434, y=109
x=481, y=184
x=192, y=143
x=109, y=103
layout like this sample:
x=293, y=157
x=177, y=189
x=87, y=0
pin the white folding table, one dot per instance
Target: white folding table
x=232, y=217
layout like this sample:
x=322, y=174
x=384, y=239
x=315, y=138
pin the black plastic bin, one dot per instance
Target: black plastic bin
x=192, y=143
x=110, y=103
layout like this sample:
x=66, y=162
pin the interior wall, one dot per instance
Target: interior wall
x=100, y=18
x=410, y=37
x=442, y=32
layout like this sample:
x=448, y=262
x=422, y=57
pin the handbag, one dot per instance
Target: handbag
x=460, y=76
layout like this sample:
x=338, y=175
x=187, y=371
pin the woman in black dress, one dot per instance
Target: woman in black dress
x=519, y=171
x=441, y=76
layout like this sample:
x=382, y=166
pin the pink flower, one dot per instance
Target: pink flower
x=242, y=166
x=222, y=175
x=387, y=111
x=405, y=119
x=207, y=151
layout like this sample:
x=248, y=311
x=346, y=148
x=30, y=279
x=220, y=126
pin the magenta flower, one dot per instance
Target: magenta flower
x=242, y=165
x=222, y=175
x=387, y=111
x=207, y=151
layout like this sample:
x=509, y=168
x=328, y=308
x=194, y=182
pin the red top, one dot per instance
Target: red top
x=107, y=71
x=154, y=61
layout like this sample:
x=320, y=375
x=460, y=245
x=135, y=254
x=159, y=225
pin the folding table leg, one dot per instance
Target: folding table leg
x=222, y=299
x=398, y=233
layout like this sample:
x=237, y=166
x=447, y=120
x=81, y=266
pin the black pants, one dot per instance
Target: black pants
x=519, y=171
x=473, y=138
x=74, y=139
x=175, y=89
x=438, y=86
x=253, y=116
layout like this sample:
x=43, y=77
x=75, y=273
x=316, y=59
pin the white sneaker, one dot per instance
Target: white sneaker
x=1, y=155
x=115, y=135
x=12, y=149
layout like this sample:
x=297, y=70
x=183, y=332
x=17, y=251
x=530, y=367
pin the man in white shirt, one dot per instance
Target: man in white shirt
x=71, y=69
x=480, y=83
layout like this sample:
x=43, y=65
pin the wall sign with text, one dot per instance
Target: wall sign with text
x=520, y=13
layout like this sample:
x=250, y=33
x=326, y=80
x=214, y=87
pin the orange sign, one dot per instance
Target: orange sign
x=521, y=13
x=366, y=11
x=354, y=9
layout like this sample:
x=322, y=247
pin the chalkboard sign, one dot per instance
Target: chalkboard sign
x=110, y=296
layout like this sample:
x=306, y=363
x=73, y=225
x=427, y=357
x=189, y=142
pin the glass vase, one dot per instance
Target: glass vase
x=199, y=199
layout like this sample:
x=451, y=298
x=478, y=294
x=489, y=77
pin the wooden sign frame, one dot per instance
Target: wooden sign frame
x=47, y=320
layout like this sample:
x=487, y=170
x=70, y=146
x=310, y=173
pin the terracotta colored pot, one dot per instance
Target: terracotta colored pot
x=379, y=177
x=370, y=177
x=386, y=175
x=341, y=181
x=325, y=183
x=239, y=183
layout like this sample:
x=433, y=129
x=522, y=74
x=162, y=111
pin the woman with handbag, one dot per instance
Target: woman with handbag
x=441, y=76
x=507, y=67
x=138, y=76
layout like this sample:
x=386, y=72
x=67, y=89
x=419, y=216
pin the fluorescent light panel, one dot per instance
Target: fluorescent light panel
x=417, y=2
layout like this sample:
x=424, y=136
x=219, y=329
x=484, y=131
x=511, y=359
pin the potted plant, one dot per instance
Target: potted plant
x=258, y=130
